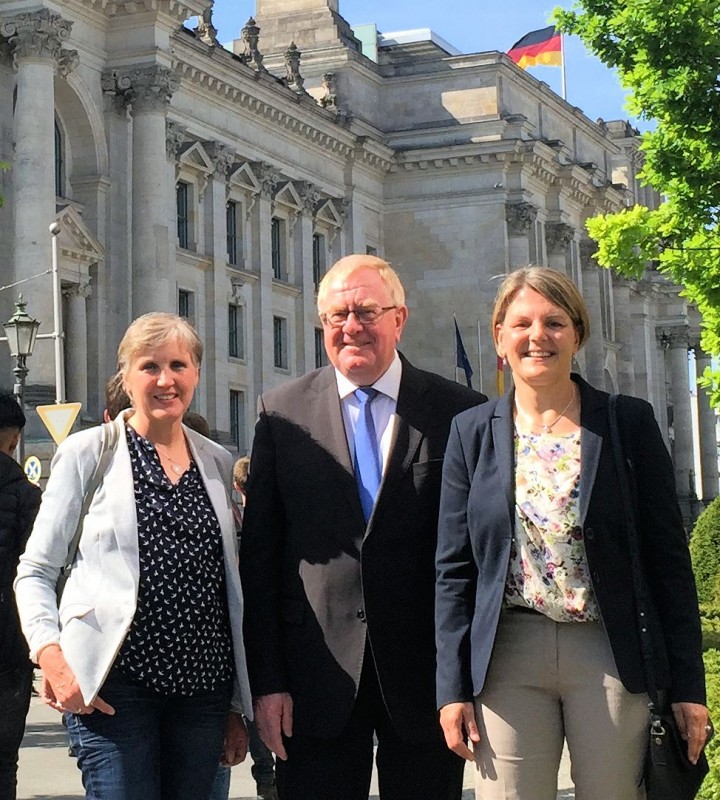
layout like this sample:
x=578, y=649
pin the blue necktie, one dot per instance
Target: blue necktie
x=368, y=471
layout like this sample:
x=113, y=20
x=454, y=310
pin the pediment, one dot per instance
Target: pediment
x=75, y=241
x=329, y=213
x=245, y=178
x=288, y=195
x=194, y=156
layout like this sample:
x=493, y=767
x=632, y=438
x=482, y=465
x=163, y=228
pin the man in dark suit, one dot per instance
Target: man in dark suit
x=338, y=552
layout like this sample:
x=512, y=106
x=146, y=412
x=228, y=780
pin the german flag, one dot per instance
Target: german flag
x=538, y=47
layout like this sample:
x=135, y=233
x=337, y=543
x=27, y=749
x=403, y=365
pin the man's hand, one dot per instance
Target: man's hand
x=274, y=718
x=458, y=721
x=235, y=747
x=59, y=688
x=692, y=719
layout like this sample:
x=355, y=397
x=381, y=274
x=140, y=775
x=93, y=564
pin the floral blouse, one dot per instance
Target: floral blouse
x=548, y=570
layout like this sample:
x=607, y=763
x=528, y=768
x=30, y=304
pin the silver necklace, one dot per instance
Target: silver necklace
x=175, y=466
x=551, y=425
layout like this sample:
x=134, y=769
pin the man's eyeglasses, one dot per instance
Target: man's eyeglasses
x=367, y=315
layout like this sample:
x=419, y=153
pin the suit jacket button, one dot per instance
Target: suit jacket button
x=361, y=615
x=589, y=533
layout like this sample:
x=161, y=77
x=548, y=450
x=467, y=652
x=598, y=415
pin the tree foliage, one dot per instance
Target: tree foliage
x=667, y=55
x=705, y=554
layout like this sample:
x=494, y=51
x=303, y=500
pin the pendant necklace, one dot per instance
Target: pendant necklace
x=546, y=428
x=175, y=466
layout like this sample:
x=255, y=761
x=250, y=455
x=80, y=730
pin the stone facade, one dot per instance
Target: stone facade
x=221, y=182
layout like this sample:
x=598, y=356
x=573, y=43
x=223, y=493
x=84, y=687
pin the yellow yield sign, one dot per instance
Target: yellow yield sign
x=59, y=419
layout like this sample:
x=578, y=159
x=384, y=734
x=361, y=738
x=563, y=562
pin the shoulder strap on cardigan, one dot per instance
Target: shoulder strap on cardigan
x=107, y=449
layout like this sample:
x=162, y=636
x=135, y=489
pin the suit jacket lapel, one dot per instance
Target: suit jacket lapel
x=502, y=425
x=593, y=422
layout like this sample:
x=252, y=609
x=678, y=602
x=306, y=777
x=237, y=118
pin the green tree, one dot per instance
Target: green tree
x=705, y=553
x=667, y=55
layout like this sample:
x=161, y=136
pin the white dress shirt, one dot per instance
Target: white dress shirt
x=382, y=407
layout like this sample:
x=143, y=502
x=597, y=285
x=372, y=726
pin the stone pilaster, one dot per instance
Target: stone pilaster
x=623, y=335
x=676, y=339
x=707, y=429
x=36, y=41
x=76, y=342
x=594, y=351
x=520, y=219
x=558, y=236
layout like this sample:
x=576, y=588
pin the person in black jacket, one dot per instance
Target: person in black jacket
x=19, y=502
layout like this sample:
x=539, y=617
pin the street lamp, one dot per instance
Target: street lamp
x=21, y=330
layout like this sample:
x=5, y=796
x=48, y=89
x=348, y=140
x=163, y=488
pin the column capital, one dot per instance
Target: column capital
x=558, y=236
x=674, y=337
x=174, y=138
x=520, y=217
x=310, y=195
x=80, y=290
x=38, y=36
x=588, y=249
x=269, y=178
x=144, y=89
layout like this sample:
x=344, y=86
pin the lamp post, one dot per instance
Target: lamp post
x=21, y=330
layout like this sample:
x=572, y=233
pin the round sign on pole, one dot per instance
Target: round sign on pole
x=33, y=469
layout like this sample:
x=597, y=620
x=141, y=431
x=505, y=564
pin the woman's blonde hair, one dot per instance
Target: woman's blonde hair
x=553, y=286
x=156, y=328
x=353, y=263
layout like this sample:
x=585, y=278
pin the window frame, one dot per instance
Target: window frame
x=280, y=343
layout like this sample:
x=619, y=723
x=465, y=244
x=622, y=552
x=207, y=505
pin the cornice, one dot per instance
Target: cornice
x=179, y=10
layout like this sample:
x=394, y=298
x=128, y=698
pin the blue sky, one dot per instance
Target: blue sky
x=472, y=27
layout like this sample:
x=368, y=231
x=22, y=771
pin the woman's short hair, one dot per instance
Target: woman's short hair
x=153, y=329
x=554, y=286
x=354, y=263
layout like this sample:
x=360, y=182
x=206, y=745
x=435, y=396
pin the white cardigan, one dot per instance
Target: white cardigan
x=100, y=598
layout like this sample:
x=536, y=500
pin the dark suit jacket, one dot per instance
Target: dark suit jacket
x=477, y=516
x=317, y=582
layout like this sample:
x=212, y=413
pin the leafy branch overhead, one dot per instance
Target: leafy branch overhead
x=668, y=56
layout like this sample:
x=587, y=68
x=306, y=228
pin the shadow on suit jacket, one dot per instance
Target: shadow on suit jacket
x=317, y=581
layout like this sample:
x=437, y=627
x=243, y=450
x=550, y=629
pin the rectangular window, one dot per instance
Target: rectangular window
x=183, y=214
x=236, y=331
x=280, y=342
x=277, y=248
x=320, y=354
x=186, y=304
x=237, y=419
x=318, y=259
x=231, y=215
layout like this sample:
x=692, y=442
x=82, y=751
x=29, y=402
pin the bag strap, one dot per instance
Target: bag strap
x=628, y=492
x=107, y=449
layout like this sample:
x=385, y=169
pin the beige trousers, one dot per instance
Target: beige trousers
x=549, y=682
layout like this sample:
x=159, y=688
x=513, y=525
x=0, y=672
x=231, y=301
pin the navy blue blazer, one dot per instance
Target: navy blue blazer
x=477, y=515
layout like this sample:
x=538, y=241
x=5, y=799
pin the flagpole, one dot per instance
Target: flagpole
x=454, y=347
x=480, y=355
x=562, y=67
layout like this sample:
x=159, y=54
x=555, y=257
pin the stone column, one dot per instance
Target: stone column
x=35, y=39
x=307, y=316
x=594, y=352
x=707, y=427
x=148, y=90
x=520, y=218
x=76, y=342
x=677, y=355
x=623, y=335
x=558, y=236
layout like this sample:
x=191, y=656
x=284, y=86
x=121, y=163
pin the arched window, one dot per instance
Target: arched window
x=58, y=161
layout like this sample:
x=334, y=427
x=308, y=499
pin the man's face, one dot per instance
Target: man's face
x=362, y=353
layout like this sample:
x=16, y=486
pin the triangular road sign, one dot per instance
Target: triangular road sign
x=59, y=419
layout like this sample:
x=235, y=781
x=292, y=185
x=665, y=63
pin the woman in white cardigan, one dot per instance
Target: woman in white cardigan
x=145, y=655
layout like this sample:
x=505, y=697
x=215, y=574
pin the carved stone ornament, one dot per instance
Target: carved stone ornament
x=588, y=248
x=39, y=35
x=330, y=98
x=80, y=290
x=520, y=218
x=206, y=31
x=269, y=178
x=558, y=236
x=310, y=195
x=222, y=156
x=293, y=80
x=144, y=89
x=251, y=55
x=174, y=138
x=674, y=338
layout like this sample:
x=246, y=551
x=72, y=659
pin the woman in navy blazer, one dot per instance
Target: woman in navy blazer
x=537, y=639
x=145, y=655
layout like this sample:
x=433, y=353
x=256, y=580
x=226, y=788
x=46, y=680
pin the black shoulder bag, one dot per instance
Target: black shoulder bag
x=668, y=774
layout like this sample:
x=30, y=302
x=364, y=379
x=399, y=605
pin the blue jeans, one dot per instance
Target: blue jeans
x=263, y=768
x=155, y=747
x=221, y=785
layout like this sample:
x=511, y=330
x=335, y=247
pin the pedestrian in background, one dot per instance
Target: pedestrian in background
x=19, y=503
x=538, y=635
x=145, y=656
